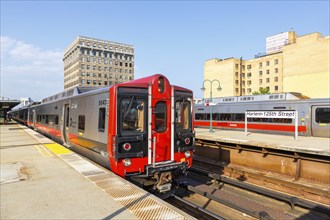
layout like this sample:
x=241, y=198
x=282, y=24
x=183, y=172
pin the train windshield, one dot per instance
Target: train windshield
x=132, y=115
x=183, y=114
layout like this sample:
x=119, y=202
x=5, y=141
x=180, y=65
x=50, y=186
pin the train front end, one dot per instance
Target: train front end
x=152, y=138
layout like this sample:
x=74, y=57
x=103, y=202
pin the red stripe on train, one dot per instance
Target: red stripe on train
x=238, y=125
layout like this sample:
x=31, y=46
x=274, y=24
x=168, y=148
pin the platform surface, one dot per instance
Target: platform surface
x=43, y=180
x=310, y=145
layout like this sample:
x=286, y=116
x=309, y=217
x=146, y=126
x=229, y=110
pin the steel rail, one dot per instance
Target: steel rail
x=198, y=208
x=292, y=200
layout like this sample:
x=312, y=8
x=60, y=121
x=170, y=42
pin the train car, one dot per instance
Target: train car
x=229, y=113
x=142, y=128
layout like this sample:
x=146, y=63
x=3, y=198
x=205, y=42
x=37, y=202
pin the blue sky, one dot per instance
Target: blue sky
x=170, y=37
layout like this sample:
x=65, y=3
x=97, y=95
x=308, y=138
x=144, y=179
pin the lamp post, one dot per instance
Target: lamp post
x=210, y=103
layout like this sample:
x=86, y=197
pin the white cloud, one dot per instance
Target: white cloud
x=28, y=71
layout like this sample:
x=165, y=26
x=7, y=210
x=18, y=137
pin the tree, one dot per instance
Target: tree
x=261, y=91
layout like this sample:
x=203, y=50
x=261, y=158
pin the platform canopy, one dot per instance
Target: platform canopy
x=7, y=104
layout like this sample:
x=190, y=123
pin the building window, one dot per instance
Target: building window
x=83, y=59
x=260, y=81
x=88, y=59
x=236, y=90
x=248, y=67
x=267, y=71
x=249, y=82
x=100, y=60
x=88, y=74
x=276, y=88
x=236, y=74
x=99, y=68
x=105, y=75
x=276, y=61
x=276, y=79
x=83, y=81
x=249, y=75
x=88, y=82
x=236, y=66
x=276, y=70
x=236, y=82
x=82, y=66
x=260, y=73
x=94, y=75
x=267, y=63
x=99, y=75
x=249, y=91
x=94, y=60
x=260, y=65
x=94, y=82
x=105, y=83
x=100, y=82
x=82, y=73
x=88, y=67
x=267, y=80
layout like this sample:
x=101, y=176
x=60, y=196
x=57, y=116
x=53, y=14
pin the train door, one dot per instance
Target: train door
x=320, y=121
x=34, y=118
x=66, y=123
x=161, y=149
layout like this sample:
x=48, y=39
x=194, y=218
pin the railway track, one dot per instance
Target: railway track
x=301, y=175
x=204, y=198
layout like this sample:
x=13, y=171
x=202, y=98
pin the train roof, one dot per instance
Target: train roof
x=256, y=98
x=69, y=92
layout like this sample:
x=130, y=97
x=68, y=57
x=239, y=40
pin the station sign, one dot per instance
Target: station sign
x=271, y=114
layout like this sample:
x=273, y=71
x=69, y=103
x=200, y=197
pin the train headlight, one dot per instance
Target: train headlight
x=187, y=154
x=187, y=141
x=127, y=146
x=127, y=162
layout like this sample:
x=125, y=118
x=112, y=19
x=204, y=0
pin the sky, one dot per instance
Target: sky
x=173, y=38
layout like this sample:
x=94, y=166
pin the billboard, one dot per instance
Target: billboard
x=276, y=42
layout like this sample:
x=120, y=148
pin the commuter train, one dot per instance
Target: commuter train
x=141, y=129
x=229, y=113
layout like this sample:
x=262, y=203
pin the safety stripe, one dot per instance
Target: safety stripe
x=43, y=151
x=57, y=149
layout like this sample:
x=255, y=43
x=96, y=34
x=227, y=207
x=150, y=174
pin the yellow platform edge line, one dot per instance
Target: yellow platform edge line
x=57, y=149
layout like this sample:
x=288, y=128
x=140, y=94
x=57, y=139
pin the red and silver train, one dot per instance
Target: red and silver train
x=229, y=113
x=142, y=128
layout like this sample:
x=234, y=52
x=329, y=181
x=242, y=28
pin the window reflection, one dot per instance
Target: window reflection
x=183, y=114
x=132, y=115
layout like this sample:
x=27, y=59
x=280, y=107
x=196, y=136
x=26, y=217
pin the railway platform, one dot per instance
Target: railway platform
x=41, y=179
x=310, y=145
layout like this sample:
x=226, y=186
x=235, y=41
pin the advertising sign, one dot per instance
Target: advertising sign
x=276, y=42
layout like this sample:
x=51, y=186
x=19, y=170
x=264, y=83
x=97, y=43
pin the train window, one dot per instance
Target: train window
x=160, y=116
x=101, y=119
x=132, y=115
x=56, y=120
x=322, y=115
x=81, y=122
x=239, y=117
x=225, y=117
x=183, y=114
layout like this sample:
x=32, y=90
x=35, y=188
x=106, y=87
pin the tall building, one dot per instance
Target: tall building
x=290, y=64
x=94, y=62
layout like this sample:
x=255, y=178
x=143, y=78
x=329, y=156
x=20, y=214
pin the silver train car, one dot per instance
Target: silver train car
x=229, y=113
